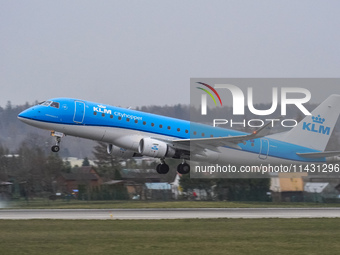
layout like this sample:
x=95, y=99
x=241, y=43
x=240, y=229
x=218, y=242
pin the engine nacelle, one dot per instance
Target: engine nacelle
x=155, y=148
x=119, y=152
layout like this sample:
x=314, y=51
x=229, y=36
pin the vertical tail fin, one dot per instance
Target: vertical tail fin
x=315, y=130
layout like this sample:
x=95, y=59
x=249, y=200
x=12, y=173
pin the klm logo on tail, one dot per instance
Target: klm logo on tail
x=317, y=126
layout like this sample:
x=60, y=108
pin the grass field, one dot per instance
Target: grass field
x=77, y=204
x=213, y=236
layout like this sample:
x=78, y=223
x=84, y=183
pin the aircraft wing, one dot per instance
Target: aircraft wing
x=212, y=143
x=323, y=154
x=231, y=141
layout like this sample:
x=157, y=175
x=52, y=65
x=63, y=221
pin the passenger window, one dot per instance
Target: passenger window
x=178, y=129
x=160, y=126
x=119, y=118
x=103, y=114
x=94, y=113
x=144, y=123
x=127, y=119
x=111, y=116
x=152, y=124
x=169, y=127
x=136, y=121
x=186, y=131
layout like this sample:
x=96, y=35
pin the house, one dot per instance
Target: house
x=85, y=176
x=77, y=161
x=5, y=190
x=303, y=187
x=322, y=187
x=288, y=187
x=141, y=183
x=321, y=192
x=158, y=191
x=113, y=190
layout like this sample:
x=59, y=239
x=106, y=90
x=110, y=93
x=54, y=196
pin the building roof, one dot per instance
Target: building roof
x=145, y=174
x=113, y=182
x=85, y=173
x=79, y=176
x=83, y=170
x=315, y=187
x=158, y=185
x=5, y=183
x=77, y=162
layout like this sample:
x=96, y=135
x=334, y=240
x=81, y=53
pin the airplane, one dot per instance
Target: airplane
x=130, y=133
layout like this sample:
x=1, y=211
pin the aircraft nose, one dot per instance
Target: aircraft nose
x=27, y=114
x=22, y=115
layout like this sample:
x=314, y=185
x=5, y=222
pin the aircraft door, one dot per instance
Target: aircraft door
x=79, y=112
x=264, y=148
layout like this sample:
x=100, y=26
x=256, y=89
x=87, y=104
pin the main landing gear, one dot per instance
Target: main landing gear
x=163, y=168
x=57, y=136
x=183, y=168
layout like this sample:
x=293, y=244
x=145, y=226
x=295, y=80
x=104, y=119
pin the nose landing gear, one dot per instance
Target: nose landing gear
x=57, y=136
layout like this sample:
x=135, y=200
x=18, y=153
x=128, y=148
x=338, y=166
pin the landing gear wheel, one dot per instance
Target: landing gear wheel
x=57, y=137
x=55, y=148
x=158, y=168
x=183, y=168
x=162, y=168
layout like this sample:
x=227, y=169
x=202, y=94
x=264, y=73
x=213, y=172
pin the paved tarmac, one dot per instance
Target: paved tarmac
x=149, y=214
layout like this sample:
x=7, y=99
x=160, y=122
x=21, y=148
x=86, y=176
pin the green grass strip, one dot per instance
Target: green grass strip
x=194, y=236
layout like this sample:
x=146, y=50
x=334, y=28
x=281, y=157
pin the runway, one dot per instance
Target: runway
x=157, y=214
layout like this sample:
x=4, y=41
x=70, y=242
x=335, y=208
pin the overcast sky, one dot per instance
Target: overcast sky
x=134, y=53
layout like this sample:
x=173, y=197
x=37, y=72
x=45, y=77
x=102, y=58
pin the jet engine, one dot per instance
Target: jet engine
x=120, y=152
x=155, y=148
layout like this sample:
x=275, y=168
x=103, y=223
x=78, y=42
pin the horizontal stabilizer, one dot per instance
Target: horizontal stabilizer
x=324, y=154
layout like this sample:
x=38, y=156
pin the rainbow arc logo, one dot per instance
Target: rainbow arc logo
x=204, y=97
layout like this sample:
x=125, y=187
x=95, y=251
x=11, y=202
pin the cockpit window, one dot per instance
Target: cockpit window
x=50, y=103
x=46, y=103
x=55, y=105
